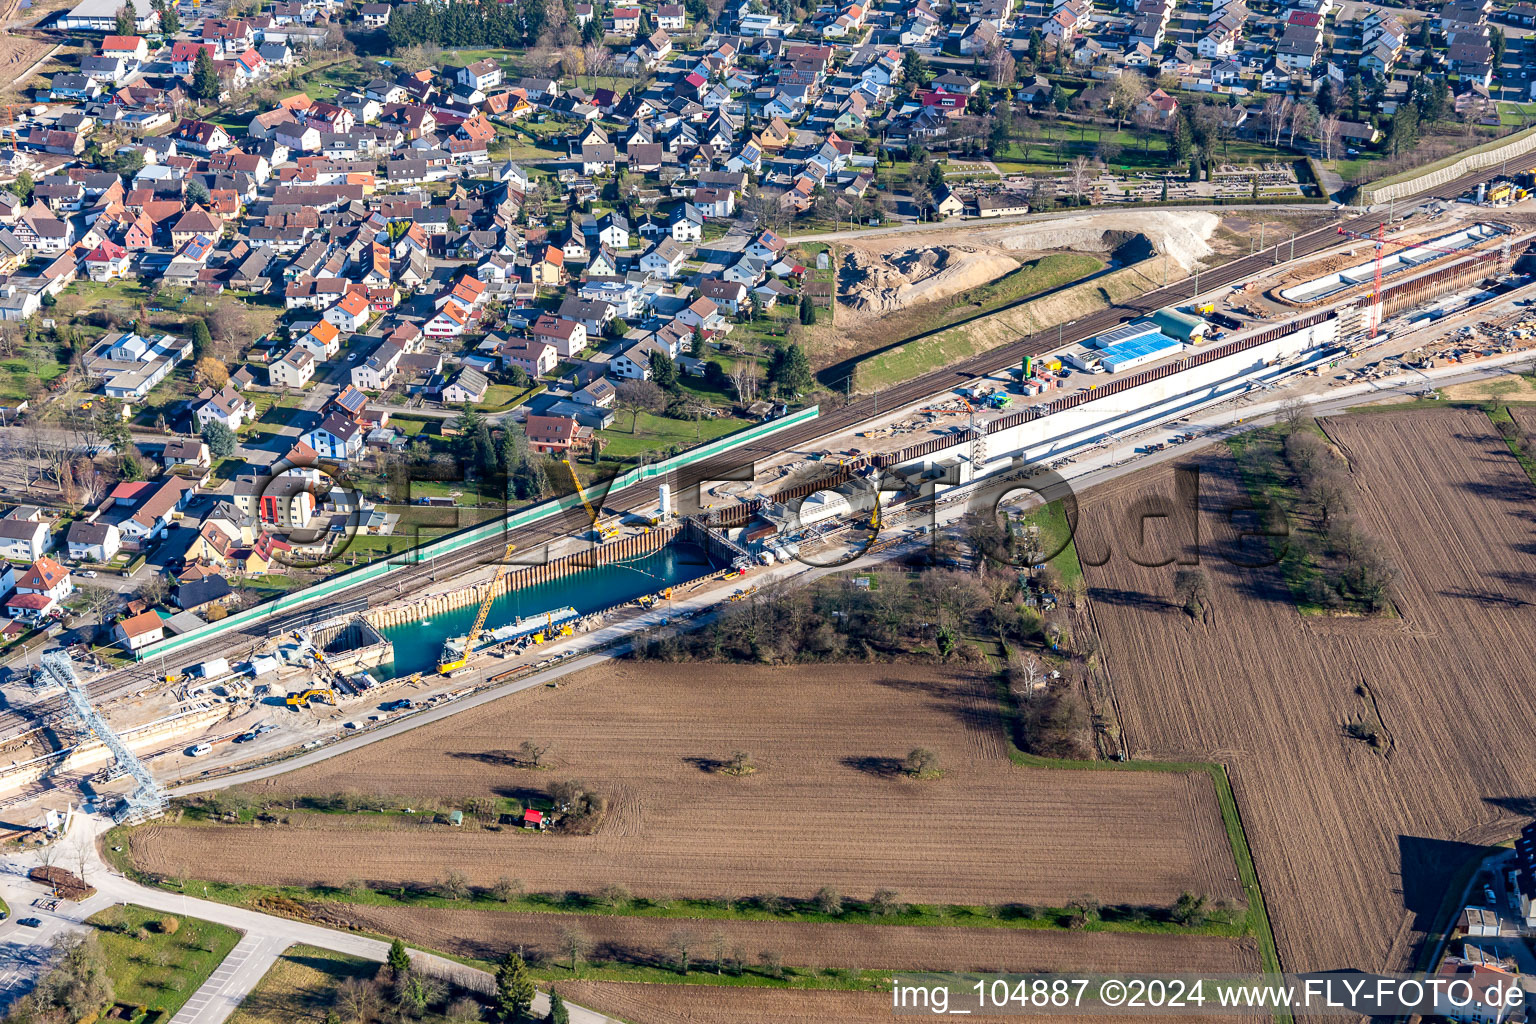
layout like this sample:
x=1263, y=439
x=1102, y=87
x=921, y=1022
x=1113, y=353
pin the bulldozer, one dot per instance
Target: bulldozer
x=303, y=698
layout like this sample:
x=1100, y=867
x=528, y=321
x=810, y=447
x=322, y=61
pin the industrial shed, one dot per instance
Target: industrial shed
x=1178, y=324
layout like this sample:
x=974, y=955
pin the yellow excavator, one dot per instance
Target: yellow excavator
x=303, y=698
x=452, y=659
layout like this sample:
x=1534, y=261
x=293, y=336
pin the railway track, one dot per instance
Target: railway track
x=115, y=686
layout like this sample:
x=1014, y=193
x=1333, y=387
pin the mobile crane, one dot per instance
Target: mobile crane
x=452, y=659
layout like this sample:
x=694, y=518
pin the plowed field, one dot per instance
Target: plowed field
x=698, y=1004
x=488, y=934
x=1354, y=846
x=827, y=806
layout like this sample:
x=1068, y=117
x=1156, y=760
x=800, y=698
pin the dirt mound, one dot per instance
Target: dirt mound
x=878, y=283
x=1181, y=234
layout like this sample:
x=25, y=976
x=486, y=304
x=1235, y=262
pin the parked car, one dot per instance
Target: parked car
x=30, y=922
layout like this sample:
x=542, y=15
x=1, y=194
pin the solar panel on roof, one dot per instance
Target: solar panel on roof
x=1123, y=333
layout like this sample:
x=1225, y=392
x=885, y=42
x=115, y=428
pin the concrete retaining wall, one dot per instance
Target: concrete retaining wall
x=1063, y=433
x=1519, y=144
x=333, y=588
x=94, y=754
x=473, y=594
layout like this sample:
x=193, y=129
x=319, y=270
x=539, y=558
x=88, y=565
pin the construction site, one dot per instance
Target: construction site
x=1444, y=288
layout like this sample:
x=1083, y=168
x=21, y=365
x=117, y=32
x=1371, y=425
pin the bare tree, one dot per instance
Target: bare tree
x=1302, y=120
x=1328, y=135
x=576, y=945
x=357, y=1000
x=1079, y=173
x=745, y=374
x=682, y=943
x=637, y=396
x=920, y=763
x=1192, y=589
x=532, y=753
x=1128, y=92
x=455, y=885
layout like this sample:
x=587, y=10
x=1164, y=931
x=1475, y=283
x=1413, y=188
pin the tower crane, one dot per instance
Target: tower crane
x=1381, y=241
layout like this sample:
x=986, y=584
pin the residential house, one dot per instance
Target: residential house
x=138, y=631
x=294, y=370
x=468, y=388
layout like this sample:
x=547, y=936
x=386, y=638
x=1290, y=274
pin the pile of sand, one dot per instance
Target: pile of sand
x=878, y=283
x=1181, y=234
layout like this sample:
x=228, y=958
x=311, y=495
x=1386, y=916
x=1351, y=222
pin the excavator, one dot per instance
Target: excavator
x=303, y=698
x=452, y=659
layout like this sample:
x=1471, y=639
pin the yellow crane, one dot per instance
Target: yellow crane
x=604, y=531
x=452, y=660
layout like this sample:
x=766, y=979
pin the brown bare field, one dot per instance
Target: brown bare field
x=685, y=1004
x=489, y=934
x=827, y=806
x=1354, y=847
x=699, y=1004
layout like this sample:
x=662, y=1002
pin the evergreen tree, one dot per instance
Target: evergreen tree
x=790, y=371
x=558, y=1014
x=1036, y=47
x=912, y=71
x=1178, y=141
x=125, y=25
x=205, y=78
x=170, y=21
x=23, y=186
x=399, y=959
x=807, y=310
x=663, y=372
x=1326, y=103
x=219, y=439
x=202, y=341
x=1403, y=134
x=514, y=989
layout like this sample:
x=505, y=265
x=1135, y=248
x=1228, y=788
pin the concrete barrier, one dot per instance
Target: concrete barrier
x=1518, y=144
x=333, y=588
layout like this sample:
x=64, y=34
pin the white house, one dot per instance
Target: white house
x=228, y=407
x=294, y=370
x=23, y=540
x=665, y=259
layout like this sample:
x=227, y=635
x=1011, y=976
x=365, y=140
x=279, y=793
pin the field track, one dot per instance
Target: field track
x=827, y=807
x=1354, y=846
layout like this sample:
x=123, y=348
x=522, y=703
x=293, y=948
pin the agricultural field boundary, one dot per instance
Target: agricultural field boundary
x=918, y=356
x=251, y=896
x=1231, y=817
x=332, y=588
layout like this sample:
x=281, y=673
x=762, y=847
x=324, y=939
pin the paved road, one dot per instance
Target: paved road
x=264, y=939
x=228, y=986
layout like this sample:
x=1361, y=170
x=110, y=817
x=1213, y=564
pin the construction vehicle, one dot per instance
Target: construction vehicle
x=452, y=659
x=304, y=698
